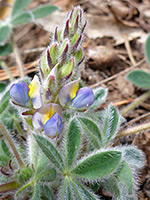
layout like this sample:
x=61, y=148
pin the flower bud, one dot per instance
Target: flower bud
x=53, y=53
x=53, y=126
x=19, y=93
x=84, y=99
x=66, y=69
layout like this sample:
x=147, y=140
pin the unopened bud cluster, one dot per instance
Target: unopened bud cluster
x=58, y=88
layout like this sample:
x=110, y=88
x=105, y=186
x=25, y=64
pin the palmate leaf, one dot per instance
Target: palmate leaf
x=4, y=101
x=43, y=171
x=139, y=78
x=66, y=190
x=46, y=193
x=91, y=130
x=110, y=123
x=97, y=165
x=23, y=18
x=82, y=192
x=18, y=7
x=50, y=151
x=36, y=192
x=72, y=142
x=43, y=11
x=5, y=50
x=31, y=15
x=5, y=32
x=125, y=176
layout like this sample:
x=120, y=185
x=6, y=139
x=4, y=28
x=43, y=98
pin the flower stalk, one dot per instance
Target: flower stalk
x=17, y=56
x=136, y=102
x=132, y=130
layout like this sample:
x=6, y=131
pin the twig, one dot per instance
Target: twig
x=133, y=130
x=128, y=48
x=136, y=102
x=139, y=118
x=4, y=131
x=17, y=56
x=118, y=74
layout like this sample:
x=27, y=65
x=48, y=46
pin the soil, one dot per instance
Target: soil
x=105, y=58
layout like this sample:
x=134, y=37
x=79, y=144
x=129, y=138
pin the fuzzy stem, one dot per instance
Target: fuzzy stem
x=136, y=102
x=19, y=129
x=24, y=187
x=6, y=68
x=8, y=187
x=17, y=56
x=133, y=130
x=4, y=131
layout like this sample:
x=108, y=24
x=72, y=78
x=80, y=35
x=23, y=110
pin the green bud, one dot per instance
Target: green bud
x=53, y=53
x=66, y=69
x=78, y=55
x=75, y=39
x=44, y=65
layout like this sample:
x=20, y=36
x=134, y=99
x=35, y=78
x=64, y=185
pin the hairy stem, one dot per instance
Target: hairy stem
x=24, y=187
x=132, y=130
x=4, y=131
x=6, y=68
x=136, y=102
x=17, y=56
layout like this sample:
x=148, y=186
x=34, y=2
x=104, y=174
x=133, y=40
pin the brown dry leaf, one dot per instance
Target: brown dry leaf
x=101, y=57
x=5, y=8
x=65, y=4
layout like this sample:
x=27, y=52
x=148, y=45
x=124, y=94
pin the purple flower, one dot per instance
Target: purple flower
x=53, y=126
x=71, y=96
x=83, y=99
x=48, y=117
x=19, y=93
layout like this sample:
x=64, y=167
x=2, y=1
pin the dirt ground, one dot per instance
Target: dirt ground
x=114, y=41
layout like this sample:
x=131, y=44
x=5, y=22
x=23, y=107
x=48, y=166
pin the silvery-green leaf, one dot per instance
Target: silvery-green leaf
x=72, y=142
x=43, y=11
x=46, y=193
x=110, y=123
x=4, y=101
x=22, y=18
x=91, y=130
x=18, y=7
x=66, y=190
x=5, y=32
x=36, y=192
x=125, y=176
x=139, y=78
x=5, y=49
x=82, y=192
x=44, y=172
x=50, y=151
x=97, y=165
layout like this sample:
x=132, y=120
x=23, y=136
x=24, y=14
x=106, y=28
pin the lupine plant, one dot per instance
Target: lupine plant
x=68, y=153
